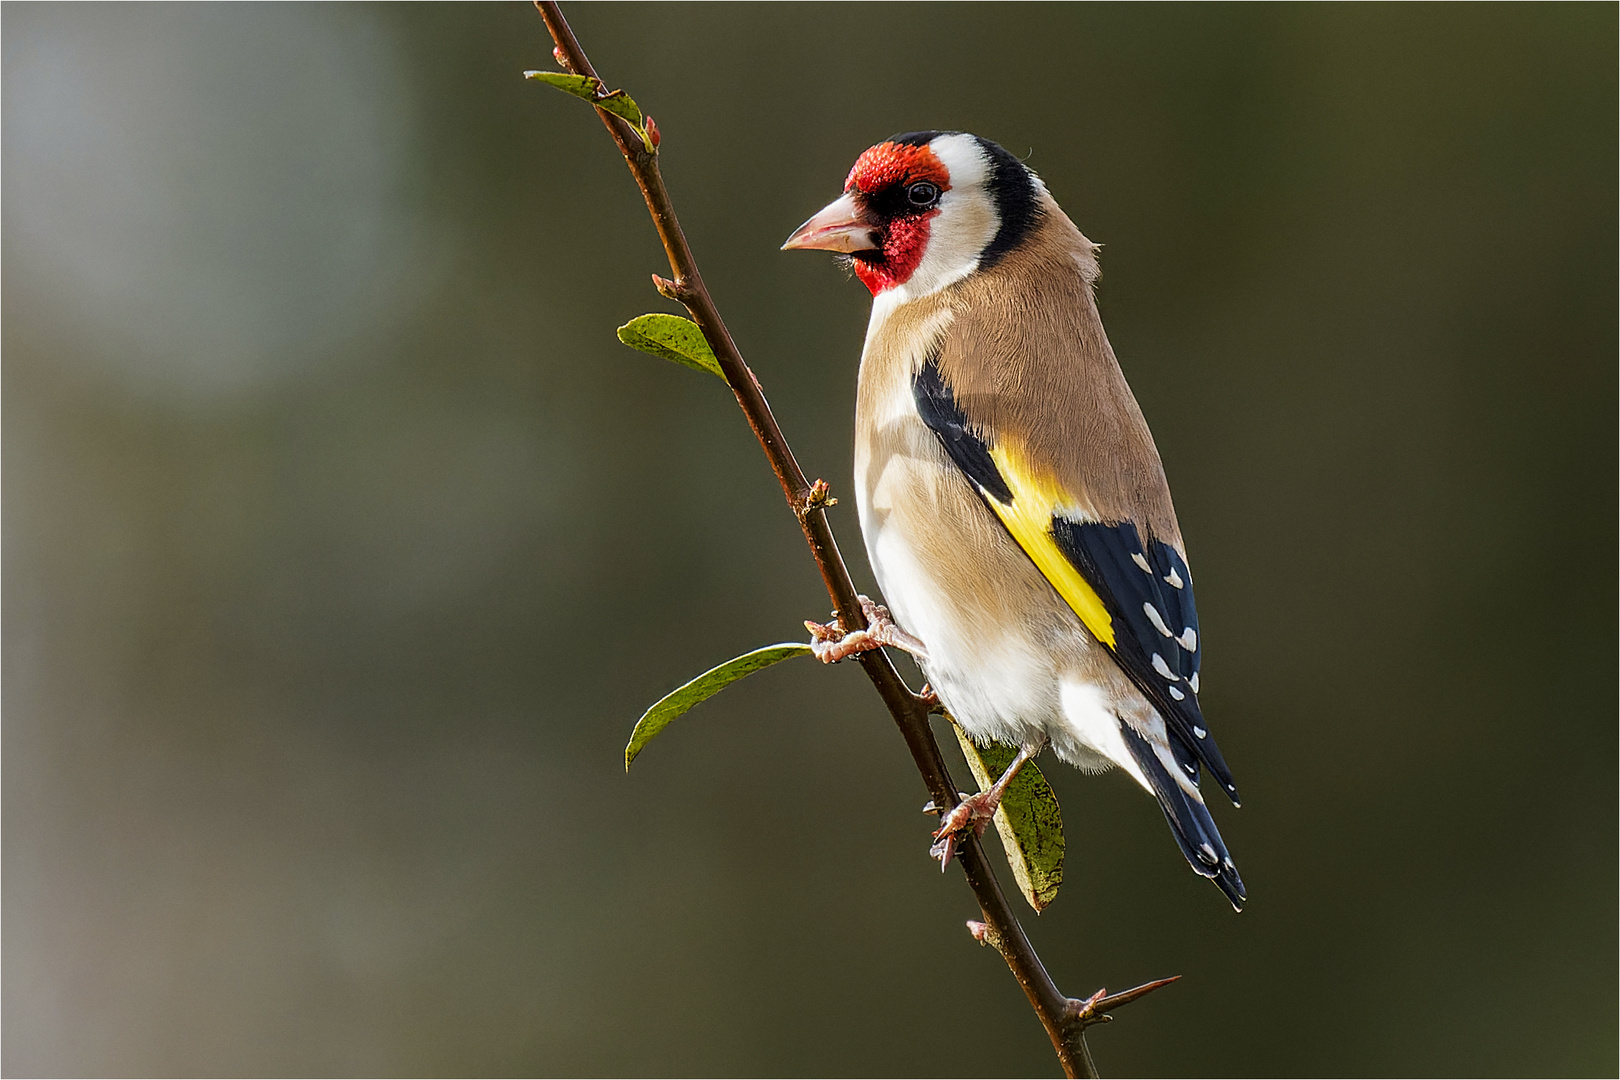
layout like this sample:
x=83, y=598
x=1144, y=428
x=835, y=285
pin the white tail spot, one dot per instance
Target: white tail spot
x=1193, y=682
x=1143, y=563
x=1188, y=639
x=1174, y=579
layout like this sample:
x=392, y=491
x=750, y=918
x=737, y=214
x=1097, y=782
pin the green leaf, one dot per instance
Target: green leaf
x=702, y=688
x=1029, y=820
x=618, y=102
x=581, y=86
x=673, y=338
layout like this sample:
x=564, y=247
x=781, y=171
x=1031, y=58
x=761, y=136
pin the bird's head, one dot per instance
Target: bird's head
x=922, y=210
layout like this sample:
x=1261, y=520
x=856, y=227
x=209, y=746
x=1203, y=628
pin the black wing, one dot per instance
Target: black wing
x=1148, y=591
x=1146, y=588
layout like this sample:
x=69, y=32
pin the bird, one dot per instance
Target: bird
x=1013, y=504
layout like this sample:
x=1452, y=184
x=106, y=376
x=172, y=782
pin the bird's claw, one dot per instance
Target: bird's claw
x=830, y=643
x=973, y=812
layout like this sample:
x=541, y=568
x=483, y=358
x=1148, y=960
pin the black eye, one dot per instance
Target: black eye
x=922, y=194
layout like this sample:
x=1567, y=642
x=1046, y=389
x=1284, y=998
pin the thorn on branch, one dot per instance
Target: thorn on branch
x=1094, y=1009
x=1128, y=996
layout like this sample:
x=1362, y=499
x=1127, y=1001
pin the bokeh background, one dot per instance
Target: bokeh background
x=343, y=543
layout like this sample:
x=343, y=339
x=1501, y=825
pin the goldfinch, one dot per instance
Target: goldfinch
x=1013, y=504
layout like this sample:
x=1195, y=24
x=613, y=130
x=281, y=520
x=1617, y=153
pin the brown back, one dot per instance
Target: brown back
x=1030, y=365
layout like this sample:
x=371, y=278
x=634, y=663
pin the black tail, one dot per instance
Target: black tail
x=1189, y=819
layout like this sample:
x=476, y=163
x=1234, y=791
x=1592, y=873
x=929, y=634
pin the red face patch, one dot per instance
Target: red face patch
x=879, y=180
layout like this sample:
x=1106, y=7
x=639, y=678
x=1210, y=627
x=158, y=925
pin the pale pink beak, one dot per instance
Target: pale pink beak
x=840, y=226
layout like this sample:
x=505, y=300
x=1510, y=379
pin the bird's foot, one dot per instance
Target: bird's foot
x=831, y=644
x=976, y=811
x=973, y=812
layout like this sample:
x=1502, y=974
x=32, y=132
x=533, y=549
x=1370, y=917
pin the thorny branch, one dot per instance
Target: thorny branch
x=1065, y=1018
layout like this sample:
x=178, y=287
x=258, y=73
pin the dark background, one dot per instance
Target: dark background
x=344, y=544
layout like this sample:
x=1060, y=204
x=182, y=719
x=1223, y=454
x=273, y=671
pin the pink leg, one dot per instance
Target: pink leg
x=976, y=811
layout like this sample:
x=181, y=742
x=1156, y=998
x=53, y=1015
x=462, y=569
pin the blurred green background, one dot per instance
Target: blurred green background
x=344, y=544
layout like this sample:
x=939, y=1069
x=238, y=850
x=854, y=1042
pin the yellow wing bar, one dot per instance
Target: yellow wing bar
x=1029, y=519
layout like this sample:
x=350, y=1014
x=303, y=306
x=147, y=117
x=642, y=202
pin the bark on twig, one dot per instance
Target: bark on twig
x=1064, y=1018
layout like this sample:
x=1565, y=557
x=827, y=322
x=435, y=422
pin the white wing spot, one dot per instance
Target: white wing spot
x=1193, y=682
x=1156, y=619
x=1177, y=694
x=1207, y=853
x=1174, y=578
x=1143, y=563
x=1161, y=667
x=1200, y=732
x=1188, y=639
